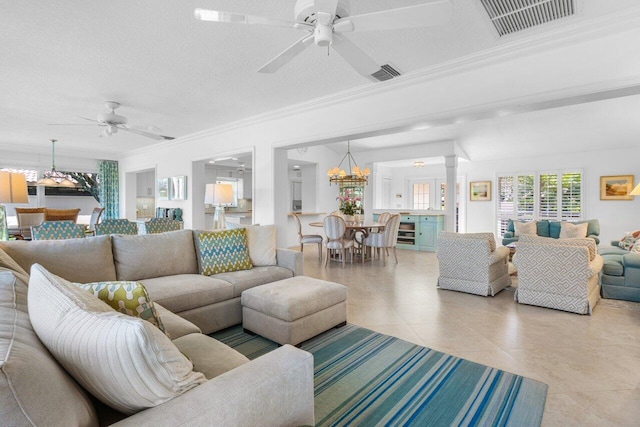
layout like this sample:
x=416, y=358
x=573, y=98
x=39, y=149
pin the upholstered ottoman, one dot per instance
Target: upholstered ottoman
x=293, y=310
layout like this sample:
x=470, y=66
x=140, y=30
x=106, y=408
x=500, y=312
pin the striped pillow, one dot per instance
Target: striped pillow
x=222, y=251
x=124, y=361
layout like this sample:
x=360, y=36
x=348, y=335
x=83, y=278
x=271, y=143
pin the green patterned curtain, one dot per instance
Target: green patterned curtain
x=4, y=231
x=109, y=188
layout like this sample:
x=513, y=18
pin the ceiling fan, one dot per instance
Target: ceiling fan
x=112, y=122
x=325, y=21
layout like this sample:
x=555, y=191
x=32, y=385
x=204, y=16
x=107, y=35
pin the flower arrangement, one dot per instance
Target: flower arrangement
x=350, y=205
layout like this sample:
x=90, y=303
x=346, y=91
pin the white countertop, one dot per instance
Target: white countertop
x=409, y=212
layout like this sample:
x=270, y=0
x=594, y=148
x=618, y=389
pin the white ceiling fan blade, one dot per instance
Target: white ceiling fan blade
x=351, y=53
x=287, y=55
x=422, y=15
x=238, y=18
x=147, y=134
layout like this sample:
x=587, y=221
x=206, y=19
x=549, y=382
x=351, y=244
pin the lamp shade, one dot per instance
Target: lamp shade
x=13, y=188
x=218, y=194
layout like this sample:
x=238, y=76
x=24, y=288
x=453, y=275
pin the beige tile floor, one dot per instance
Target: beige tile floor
x=591, y=363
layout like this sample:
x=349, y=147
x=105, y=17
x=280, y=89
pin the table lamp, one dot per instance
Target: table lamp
x=13, y=189
x=218, y=195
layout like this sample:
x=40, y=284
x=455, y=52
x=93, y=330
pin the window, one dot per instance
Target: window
x=544, y=195
x=421, y=193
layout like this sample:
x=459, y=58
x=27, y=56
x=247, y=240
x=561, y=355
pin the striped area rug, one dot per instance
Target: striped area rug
x=365, y=378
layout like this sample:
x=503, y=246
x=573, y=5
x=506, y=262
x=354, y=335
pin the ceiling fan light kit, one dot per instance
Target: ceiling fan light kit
x=326, y=20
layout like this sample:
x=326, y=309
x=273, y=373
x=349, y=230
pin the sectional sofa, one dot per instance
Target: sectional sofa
x=217, y=385
x=546, y=228
x=620, y=277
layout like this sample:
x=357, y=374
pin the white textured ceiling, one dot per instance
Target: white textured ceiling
x=175, y=75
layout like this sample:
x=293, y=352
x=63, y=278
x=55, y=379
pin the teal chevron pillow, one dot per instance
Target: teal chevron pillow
x=222, y=251
x=130, y=298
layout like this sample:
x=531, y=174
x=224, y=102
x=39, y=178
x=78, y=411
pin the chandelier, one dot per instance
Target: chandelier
x=355, y=176
x=53, y=178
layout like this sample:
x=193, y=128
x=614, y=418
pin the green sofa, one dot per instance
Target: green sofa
x=546, y=228
x=620, y=277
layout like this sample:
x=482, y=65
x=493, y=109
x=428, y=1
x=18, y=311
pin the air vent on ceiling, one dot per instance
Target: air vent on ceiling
x=510, y=16
x=386, y=72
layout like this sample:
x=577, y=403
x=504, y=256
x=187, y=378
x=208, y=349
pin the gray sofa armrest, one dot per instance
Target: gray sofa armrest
x=274, y=389
x=293, y=260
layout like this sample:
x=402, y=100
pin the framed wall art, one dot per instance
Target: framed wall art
x=616, y=187
x=480, y=191
x=178, y=188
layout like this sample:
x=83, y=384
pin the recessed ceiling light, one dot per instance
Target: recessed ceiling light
x=212, y=161
x=296, y=167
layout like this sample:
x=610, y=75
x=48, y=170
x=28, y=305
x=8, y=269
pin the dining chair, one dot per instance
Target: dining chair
x=57, y=230
x=162, y=225
x=382, y=219
x=308, y=238
x=28, y=217
x=335, y=228
x=95, y=218
x=61, y=214
x=116, y=226
x=386, y=239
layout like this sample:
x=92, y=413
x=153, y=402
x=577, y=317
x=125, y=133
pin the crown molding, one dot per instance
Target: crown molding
x=576, y=31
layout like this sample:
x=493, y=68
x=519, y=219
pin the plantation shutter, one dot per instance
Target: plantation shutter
x=526, y=197
x=571, y=195
x=548, y=196
x=505, y=202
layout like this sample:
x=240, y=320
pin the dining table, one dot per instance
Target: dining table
x=359, y=230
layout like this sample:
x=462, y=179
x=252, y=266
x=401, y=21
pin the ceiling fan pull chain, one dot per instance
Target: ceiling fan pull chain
x=328, y=50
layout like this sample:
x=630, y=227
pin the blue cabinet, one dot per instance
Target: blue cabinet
x=419, y=232
x=430, y=226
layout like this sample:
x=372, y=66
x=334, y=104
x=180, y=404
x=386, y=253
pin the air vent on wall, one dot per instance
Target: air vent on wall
x=386, y=72
x=510, y=16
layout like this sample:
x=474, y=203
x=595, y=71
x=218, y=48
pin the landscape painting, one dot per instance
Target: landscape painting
x=616, y=187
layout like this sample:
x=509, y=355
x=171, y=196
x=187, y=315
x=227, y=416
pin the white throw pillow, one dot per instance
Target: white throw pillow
x=262, y=244
x=124, y=361
x=572, y=231
x=529, y=228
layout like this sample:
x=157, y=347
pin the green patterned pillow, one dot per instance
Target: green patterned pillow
x=222, y=251
x=126, y=297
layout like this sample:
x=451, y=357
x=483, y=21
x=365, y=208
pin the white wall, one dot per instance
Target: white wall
x=615, y=217
x=469, y=85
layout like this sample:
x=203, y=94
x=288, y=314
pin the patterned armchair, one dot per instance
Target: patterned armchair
x=57, y=230
x=116, y=226
x=471, y=263
x=558, y=273
x=161, y=225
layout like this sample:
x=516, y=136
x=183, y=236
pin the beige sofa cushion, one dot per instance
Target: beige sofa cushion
x=261, y=240
x=154, y=255
x=209, y=356
x=34, y=389
x=77, y=260
x=174, y=325
x=124, y=361
x=187, y=291
x=247, y=279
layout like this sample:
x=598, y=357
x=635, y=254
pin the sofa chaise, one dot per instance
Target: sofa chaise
x=221, y=386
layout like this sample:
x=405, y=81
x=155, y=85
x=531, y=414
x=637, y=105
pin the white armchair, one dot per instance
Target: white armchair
x=471, y=263
x=558, y=273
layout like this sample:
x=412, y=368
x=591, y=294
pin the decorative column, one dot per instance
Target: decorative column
x=451, y=165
